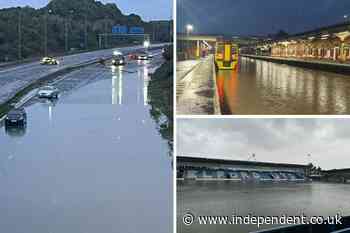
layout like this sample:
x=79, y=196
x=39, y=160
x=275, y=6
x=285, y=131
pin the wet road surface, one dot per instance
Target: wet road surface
x=91, y=162
x=270, y=199
x=261, y=87
x=15, y=78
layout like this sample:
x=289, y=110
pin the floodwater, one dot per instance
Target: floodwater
x=261, y=87
x=265, y=199
x=93, y=161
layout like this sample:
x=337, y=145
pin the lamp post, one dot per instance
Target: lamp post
x=66, y=30
x=189, y=29
x=19, y=35
x=47, y=12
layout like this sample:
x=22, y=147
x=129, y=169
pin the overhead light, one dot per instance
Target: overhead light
x=146, y=43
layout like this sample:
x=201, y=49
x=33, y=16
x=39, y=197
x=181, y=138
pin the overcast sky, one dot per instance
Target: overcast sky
x=148, y=10
x=272, y=140
x=259, y=17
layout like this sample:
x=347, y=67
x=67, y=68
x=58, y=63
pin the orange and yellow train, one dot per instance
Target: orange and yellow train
x=226, y=55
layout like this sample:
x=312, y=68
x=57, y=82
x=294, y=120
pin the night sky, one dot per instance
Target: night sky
x=146, y=9
x=259, y=17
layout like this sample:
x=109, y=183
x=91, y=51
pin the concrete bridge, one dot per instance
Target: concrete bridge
x=195, y=44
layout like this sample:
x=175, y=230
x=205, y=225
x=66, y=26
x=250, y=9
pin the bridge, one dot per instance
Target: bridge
x=193, y=45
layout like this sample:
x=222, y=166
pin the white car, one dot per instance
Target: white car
x=143, y=56
x=48, y=92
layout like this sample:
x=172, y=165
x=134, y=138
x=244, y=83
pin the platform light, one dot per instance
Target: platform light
x=189, y=28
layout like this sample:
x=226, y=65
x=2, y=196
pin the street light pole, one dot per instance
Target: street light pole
x=47, y=12
x=86, y=33
x=66, y=30
x=86, y=27
x=45, y=32
x=189, y=29
x=19, y=35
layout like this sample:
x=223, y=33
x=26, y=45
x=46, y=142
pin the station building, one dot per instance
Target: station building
x=330, y=43
x=221, y=169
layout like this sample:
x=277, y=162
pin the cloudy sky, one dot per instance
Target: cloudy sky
x=259, y=17
x=148, y=10
x=272, y=140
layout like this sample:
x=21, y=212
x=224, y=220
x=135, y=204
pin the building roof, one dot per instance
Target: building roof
x=327, y=29
x=236, y=162
x=337, y=170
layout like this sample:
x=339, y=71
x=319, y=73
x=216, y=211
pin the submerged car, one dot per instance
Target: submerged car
x=48, y=92
x=49, y=61
x=17, y=116
x=118, y=60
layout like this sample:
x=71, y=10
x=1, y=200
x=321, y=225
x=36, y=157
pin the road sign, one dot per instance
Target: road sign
x=119, y=29
x=136, y=30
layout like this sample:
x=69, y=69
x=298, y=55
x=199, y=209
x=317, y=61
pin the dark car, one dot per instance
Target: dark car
x=16, y=116
x=118, y=60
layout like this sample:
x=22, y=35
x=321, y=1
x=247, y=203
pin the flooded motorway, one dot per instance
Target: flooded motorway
x=261, y=87
x=259, y=199
x=93, y=161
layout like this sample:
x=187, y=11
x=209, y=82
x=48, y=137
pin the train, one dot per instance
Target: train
x=226, y=55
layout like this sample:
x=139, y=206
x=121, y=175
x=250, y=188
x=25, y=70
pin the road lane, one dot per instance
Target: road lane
x=91, y=162
x=14, y=78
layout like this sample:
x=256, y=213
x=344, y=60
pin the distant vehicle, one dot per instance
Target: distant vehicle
x=118, y=60
x=102, y=60
x=143, y=56
x=17, y=116
x=49, y=61
x=132, y=56
x=48, y=92
x=150, y=56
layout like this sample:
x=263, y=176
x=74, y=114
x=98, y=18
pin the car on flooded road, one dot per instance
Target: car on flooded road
x=48, y=92
x=143, y=56
x=16, y=117
x=49, y=61
x=118, y=60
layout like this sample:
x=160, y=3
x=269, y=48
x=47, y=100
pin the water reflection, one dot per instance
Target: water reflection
x=16, y=130
x=259, y=199
x=117, y=85
x=145, y=77
x=263, y=87
x=50, y=104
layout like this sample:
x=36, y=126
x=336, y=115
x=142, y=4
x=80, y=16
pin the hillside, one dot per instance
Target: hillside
x=77, y=18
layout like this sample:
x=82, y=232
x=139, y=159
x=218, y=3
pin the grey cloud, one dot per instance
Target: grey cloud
x=274, y=140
